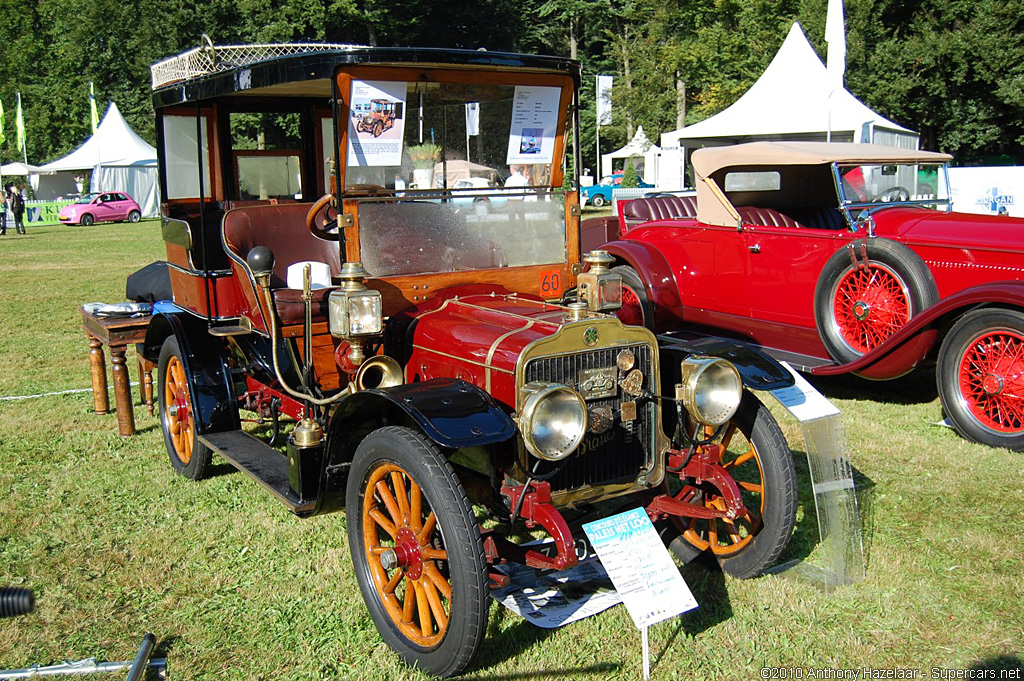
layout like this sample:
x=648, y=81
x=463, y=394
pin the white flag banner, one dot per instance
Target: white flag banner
x=604, y=100
x=473, y=118
x=835, y=36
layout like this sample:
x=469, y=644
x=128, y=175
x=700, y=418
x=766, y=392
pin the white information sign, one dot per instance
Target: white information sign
x=376, y=124
x=640, y=567
x=534, y=124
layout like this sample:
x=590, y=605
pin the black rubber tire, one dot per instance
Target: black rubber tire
x=134, y=216
x=194, y=458
x=457, y=533
x=597, y=200
x=896, y=260
x=1006, y=417
x=762, y=432
x=86, y=220
x=633, y=284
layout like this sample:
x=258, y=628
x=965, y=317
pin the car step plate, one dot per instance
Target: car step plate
x=259, y=461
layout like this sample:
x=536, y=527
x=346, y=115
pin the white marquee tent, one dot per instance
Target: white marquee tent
x=120, y=161
x=640, y=147
x=794, y=99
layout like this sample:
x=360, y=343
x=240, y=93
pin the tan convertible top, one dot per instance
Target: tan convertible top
x=715, y=209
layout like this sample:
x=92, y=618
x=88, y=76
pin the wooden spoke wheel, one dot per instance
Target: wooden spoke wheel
x=980, y=376
x=417, y=551
x=188, y=455
x=755, y=454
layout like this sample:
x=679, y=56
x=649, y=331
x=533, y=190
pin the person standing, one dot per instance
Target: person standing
x=17, y=199
x=3, y=213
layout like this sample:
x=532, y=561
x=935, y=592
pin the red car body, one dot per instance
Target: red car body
x=823, y=275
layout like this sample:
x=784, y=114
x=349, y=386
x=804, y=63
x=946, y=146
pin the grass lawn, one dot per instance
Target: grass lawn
x=234, y=587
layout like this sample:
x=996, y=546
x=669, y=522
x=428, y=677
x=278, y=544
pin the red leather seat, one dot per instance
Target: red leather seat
x=765, y=217
x=650, y=208
x=282, y=229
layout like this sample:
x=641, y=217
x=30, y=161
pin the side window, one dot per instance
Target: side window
x=267, y=153
x=182, y=141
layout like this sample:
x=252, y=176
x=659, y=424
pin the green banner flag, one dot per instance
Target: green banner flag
x=19, y=124
x=3, y=137
x=92, y=106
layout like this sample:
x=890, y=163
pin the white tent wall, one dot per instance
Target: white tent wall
x=138, y=181
x=794, y=99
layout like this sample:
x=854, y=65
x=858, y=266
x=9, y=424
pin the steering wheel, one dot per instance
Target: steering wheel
x=896, y=193
x=319, y=225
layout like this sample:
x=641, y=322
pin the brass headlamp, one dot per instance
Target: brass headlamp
x=599, y=287
x=355, y=311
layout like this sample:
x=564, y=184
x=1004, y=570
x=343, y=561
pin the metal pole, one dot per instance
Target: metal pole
x=138, y=669
x=79, y=668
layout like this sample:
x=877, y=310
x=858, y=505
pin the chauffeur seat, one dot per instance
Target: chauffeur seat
x=282, y=229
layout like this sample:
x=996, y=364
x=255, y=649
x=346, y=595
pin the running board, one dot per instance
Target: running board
x=261, y=462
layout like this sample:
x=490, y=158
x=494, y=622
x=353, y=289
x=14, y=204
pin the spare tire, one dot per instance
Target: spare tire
x=867, y=291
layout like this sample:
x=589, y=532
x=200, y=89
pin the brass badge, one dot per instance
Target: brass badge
x=633, y=383
x=628, y=411
x=595, y=384
x=590, y=336
x=600, y=419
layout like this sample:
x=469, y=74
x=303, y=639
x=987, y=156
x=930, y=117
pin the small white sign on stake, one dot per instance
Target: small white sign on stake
x=641, y=569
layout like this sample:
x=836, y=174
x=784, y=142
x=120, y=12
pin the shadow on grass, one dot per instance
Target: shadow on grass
x=521, y=636
x=917, y=387
x=1000, y=663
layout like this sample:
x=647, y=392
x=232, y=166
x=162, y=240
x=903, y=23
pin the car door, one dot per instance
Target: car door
x=783, y=264
x=103, y=208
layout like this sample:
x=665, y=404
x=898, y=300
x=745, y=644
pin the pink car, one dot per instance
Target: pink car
x=101, y=207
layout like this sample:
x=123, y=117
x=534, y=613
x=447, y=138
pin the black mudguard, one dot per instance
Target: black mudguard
x=214, y=404
x=758, y=370
x=452, y=413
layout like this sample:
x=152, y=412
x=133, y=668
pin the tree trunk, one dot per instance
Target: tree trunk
x=573, y=41
x=630, y=129
x=680, y=102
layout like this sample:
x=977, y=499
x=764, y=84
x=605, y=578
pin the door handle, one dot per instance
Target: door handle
x=754, y=248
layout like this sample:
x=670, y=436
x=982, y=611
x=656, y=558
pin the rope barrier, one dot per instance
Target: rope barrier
x=59, y=392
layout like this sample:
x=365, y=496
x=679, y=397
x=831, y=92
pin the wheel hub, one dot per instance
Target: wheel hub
x=992, y=384
x=861, y=310
x=180, y=408
x=407, y=553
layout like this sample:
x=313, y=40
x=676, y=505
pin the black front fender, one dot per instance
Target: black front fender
x=758, y=370
x=452, y=413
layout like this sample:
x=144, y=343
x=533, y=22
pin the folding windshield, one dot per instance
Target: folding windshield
x=466, y=167
x=864, y=185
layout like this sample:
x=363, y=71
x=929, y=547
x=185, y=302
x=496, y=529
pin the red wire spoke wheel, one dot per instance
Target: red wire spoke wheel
x=636, y=309
x=867, y=291
x=869, y=305
x=981, y=377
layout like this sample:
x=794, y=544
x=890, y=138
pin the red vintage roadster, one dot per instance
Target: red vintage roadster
x=837, y=258
x=456, y=379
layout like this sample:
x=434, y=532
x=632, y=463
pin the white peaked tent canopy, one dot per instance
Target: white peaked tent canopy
x=794, y=99
x=120, y=161
x=639, y=146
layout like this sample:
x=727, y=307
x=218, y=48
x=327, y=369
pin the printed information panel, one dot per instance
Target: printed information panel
x=640, y=567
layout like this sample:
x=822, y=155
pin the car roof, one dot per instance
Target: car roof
x=307, y=68
x=714, y=208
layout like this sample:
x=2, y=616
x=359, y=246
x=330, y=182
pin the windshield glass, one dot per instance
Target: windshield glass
x=467, y=169
x=87, y=198
x=868, y=184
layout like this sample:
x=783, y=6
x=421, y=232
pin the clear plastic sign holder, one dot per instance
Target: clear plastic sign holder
x=835, y=497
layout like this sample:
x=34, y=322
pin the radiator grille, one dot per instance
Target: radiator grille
x=618, y=455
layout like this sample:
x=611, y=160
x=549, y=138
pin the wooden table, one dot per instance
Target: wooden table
x=117, y=333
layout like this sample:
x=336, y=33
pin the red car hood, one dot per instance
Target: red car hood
x=914, y=225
